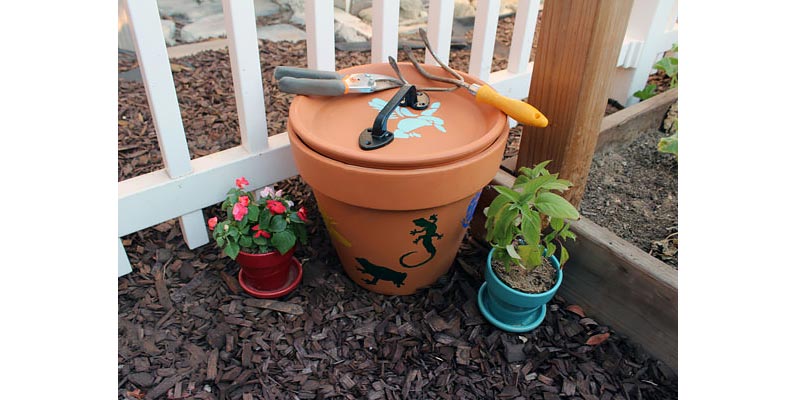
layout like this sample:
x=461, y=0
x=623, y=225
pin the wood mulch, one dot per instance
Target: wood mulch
x=187, y=330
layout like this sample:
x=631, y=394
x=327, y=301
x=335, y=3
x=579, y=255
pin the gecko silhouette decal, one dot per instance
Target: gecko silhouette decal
x=410, y=122
x=380, y=273
x=427, y=232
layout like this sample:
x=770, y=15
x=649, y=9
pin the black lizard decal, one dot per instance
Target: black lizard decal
x=427, y=232
x=380, y=273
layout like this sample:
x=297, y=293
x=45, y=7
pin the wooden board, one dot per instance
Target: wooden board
x=575, y=60
x=623, y=126
x=624, y=287
x=615, y=281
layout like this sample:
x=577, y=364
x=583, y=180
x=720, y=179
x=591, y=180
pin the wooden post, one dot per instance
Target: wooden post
x=573, y=69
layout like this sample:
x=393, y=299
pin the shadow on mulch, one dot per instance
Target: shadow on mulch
x=187, y=329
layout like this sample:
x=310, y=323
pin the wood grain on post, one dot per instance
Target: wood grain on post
x=575, y=59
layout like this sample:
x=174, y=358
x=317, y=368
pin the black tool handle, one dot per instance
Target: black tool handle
x=294, y=72
x=377, y=136
x=312, y=87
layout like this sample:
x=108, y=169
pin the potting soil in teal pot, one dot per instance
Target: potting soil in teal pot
x=512, y=310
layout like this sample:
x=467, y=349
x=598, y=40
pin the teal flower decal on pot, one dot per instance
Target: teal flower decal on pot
x=409, y=121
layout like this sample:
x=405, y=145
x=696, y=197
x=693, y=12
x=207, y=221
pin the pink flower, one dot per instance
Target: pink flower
x=279, y=193
x=275, y=207
x=302, y=214
x=212, y=222
x=267, y=192
x=241, y=182
x=239, y=211
x=244, y=200
x=259, y=233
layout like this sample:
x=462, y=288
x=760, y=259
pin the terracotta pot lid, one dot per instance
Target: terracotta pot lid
x=453, y=127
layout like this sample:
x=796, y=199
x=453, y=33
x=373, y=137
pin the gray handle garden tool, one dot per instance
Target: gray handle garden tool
x=327, y=83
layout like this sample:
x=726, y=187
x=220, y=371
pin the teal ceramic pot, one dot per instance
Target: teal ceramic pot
x=512, y=310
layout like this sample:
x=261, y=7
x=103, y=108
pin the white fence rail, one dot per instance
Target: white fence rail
x=184, y=187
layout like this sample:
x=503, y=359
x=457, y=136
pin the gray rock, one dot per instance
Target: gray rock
x=298, y=19
x=265, y=8
x=208, y=27
x=357, y=5
x=411, y=9
x=463, y=8
x=508, y=6
x=168, y=28
x=189, y=10
x=350, y=25
x=340, y=4
x=347, y=34
x=296, y=6
x=281, y=32
x=366, y=14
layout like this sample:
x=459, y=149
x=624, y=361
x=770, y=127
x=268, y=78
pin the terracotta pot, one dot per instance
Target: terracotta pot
x=397, y=214
x=265, y=272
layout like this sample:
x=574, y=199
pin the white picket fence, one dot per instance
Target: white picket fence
x=185, y=186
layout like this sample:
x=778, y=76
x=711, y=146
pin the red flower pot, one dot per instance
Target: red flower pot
x=265, y=272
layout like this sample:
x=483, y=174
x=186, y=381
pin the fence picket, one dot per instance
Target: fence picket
x=519, y=54
x=151, y=52
x=320, y=35
x=123, y=263
x=240, y=25
x=480, y=57
x=440, y=29
x=385, y=18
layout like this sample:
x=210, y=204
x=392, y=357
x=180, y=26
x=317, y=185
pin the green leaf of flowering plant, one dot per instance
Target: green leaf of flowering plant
x=531, y=226
x=495, y=206
x=264, y=219
x=667, y=64
x=534, y=185
x=556, y=206
x=283, y=241
x=511, y=252
x=277, y=223
x=246, y=241
x=537, y=170
x=260, y=241
x=669, y=144
x=502, y=231
x=646, y=93
x=530, y=254
x=293, y=217
x=564, y=256
x=232, y=250
x=300, y=232
x=504, y=191
x=252, y=213
x=551, y=249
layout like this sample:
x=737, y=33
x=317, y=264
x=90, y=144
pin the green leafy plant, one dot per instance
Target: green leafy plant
x=669, y=144
x=669, y=65
x=258, y=224
x=524, y=223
